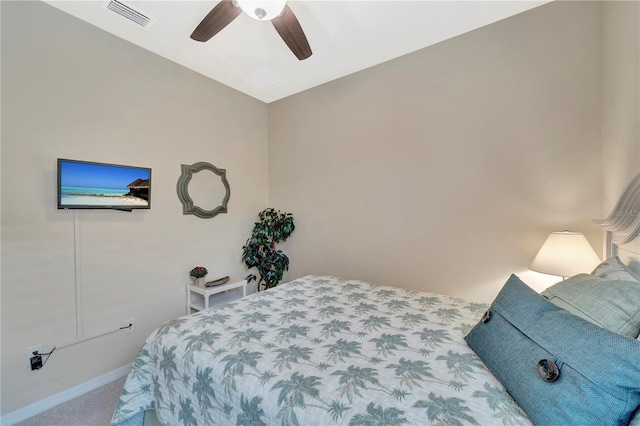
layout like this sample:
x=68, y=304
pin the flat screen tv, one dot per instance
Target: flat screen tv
x=88, y=185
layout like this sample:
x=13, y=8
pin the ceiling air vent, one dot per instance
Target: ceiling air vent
x=129, y=12
x=264, y=79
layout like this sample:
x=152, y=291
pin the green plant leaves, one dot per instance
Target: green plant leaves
x=260, y=249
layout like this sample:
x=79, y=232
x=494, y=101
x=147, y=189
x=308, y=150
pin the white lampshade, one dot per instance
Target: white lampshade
x=565, y=254
x=262, y=10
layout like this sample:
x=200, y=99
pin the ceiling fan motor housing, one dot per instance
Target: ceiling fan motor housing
x=262, y=10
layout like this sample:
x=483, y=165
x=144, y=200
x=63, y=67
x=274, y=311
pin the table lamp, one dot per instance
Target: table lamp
x=565, y=254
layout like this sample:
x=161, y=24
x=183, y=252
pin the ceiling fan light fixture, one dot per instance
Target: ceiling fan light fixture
x=262, y=10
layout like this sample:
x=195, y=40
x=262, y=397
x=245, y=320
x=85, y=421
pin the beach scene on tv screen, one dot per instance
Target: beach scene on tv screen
x=84, y=184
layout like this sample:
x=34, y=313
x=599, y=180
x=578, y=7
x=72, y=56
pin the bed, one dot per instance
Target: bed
x=324, y=350
x=319, y=350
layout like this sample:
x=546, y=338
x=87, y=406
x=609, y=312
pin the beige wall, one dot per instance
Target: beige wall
x=620, y=97
x=446, y=169
x=620, y=103
x=70, y=90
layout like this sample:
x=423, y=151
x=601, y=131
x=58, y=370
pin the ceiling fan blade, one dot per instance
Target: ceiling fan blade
x=219, y=17
x=289, y=28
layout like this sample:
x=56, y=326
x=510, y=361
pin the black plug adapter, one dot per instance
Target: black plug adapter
x=36, y=362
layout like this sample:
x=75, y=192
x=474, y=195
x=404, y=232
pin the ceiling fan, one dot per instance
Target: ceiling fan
x=278, y=12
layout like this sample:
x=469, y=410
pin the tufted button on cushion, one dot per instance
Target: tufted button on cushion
x=548, y=370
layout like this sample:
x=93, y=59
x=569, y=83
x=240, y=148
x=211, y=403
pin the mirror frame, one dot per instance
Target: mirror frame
x=188, y=206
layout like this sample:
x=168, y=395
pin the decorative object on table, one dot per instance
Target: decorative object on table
x=217, y=282
x=188, y=206
x=260, y=249
x=198, y=273
x=565, y=254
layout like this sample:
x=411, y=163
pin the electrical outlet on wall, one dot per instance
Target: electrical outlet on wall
x=34, y=352
x=128, y=326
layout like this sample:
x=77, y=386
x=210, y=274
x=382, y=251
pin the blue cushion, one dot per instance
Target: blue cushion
x=560, y=369
x=614, y=269
x=611, y=304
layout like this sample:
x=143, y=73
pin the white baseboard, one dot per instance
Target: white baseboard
x=64, y=396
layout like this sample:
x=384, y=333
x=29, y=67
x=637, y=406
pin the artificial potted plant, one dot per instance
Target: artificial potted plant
x=260, y=250
x=198, y=273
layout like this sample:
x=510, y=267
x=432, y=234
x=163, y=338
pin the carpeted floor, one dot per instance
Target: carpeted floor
x=91, y=409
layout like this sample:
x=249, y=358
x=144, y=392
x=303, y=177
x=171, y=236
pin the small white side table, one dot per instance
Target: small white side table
x=198, y=296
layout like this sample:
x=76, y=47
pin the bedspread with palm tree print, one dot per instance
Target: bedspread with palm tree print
x=319, y=351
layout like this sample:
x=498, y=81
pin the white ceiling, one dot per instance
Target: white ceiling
x=345, y=36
